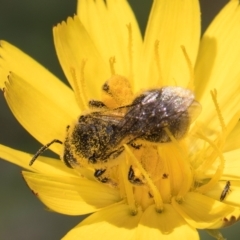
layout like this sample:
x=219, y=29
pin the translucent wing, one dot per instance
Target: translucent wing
x=156, y=109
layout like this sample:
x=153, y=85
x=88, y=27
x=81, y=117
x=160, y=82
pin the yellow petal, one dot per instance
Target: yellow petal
x=75, y=48
x=14, y=60
x=231, y=166
x=114, y=222
x=101, y=21
x=172, y=23
x=217, y=65
x=42, y=117
x=42, y=165
x=166, y=225
x=203, y=212
x=232, y=142
x=70, y=195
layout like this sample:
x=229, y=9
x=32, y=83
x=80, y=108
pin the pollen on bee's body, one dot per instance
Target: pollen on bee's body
x=121, y=126
x=117, y=92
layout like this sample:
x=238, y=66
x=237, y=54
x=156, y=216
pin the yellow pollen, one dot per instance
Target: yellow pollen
x=79, y=86
x=156, y=194
x=112, y=61
x=190, y=68
x=130, y=51
x=158, y=62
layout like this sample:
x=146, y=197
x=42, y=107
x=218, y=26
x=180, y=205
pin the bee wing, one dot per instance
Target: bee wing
x=175, y=100
x=194, y=110
x=159, y=108
x=110, y=116
x=149, y=114
x=116, y=118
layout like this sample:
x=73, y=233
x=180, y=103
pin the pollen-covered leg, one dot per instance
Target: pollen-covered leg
x=103, y=176
x=117, y=92
x=136, y=180
x=99, y=175
x=95, y=104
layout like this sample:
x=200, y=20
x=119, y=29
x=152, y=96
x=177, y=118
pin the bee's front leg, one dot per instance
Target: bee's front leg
x=99, y=174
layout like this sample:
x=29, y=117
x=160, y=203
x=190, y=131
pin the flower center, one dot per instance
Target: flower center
x=163, y=172
x=154, y=173
x=148, y=173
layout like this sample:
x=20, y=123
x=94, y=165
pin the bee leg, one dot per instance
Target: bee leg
x=98, y=174
x=43, y=149
x=132, y=178
x=96, y=104
x=135, y=145
x=150, y=195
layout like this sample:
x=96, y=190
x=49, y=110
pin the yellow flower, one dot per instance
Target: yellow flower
x=187, y=182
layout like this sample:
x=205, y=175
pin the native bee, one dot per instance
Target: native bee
x=96, y=139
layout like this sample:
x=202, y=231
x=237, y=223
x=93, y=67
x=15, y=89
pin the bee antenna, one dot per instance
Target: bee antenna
x=42, y=149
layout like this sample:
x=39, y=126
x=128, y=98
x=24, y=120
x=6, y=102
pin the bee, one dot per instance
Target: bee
x=225, y=191
x=96, y=139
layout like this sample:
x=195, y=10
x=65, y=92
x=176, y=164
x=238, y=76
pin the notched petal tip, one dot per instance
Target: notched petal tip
x=3, y=44
x=229, y=218
x=204, y=212
x=69, y=20
x=6, y=83
x=228, y=221
x=73, y=46
x=36, y=112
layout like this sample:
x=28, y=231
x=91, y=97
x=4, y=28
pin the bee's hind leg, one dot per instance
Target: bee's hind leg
x=99, y=175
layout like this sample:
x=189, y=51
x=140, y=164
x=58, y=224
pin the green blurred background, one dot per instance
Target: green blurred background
x=28, y=25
